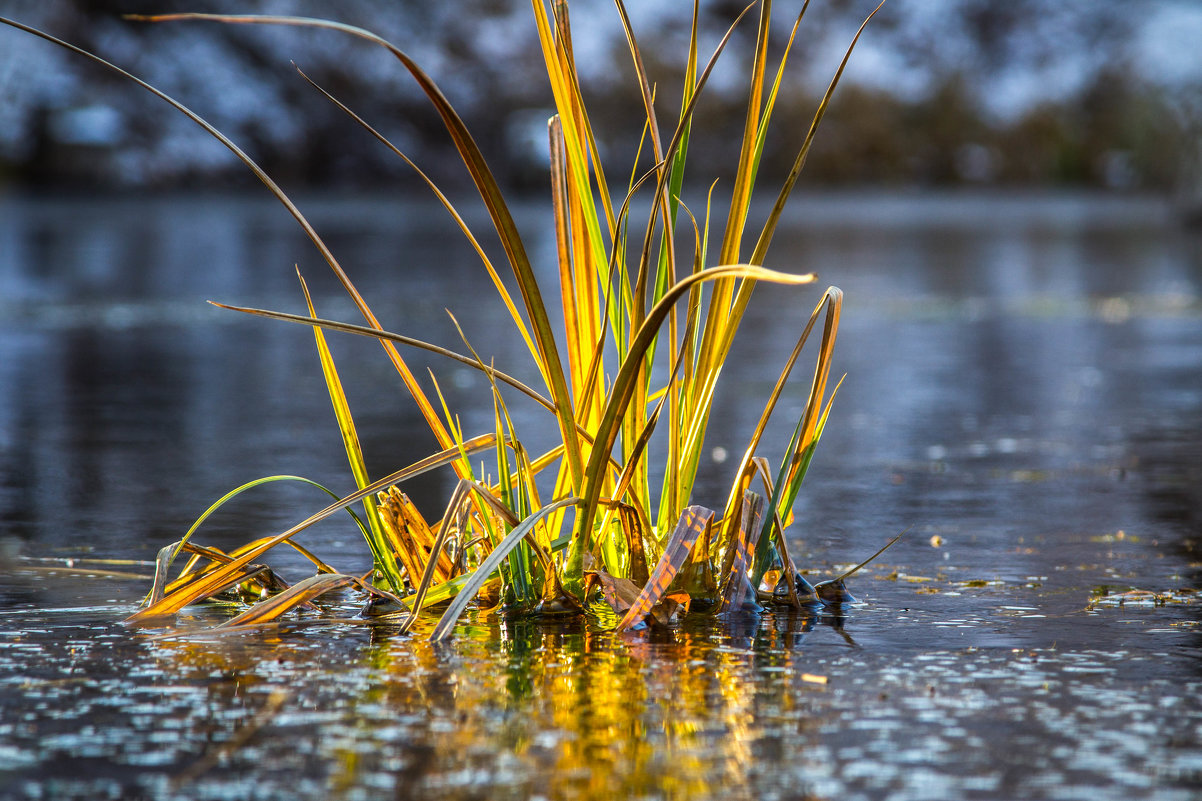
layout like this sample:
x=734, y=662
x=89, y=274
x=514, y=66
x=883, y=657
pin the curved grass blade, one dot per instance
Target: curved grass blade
x=250, y=485
x=160, y=585
x=832, y=298
x=446, y=203
x=162, y=564
x=406, y=375
x=624, y=386
x=833, y=591
x=176, y=601
x=377, y=333
x=694, y=521
x=490, y=564
x=168, y=554
x=299, y=593
x=490, y=193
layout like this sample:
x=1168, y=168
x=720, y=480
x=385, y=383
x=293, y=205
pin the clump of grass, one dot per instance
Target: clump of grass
x=580, y=527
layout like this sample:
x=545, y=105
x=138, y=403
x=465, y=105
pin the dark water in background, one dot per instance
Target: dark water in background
x=1024, y=388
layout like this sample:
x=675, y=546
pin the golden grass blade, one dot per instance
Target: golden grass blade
x=556, y=46
x=624, y=385
x=831, y=299
x=666, y=274
x=761, y=246
x=451, y=520
x=482, y=573
x=677, y=139
x=563, y=249
x=709, y=369
x=635, y=526
x=228, y=580
x=773, y=92
x=167, y=555
x=299, y=593
x=381, y=553
x=266, y=579
x=321, y=566
x=174, y=602
x=490, y=193
x=719, y=344
x=814, y=405
x=745, y=175
x=692, y=524
x=410, y=536
x=640, y=291
x=580, y=111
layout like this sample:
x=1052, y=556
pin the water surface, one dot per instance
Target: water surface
x=1022, y=389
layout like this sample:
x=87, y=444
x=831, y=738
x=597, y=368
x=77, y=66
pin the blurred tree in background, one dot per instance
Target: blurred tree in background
x=943, y=92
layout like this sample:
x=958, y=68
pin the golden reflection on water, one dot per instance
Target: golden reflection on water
x=510, y=708
x=591, y=714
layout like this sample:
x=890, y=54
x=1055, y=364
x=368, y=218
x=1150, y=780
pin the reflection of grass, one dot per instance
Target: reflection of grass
x=671, y=713
x=648, y=326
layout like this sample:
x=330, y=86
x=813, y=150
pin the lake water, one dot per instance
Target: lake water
x=1024, y=389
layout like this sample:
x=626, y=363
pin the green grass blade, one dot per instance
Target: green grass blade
x=213, y=507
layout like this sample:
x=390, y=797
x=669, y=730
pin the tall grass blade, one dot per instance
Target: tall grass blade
x=382, y=554
x=514, y=315
x=490, y=193
x=766, y=234
x=624, y=386
x=360, y=303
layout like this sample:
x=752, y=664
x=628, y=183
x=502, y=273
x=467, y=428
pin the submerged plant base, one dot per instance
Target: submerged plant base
x=578, y=528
